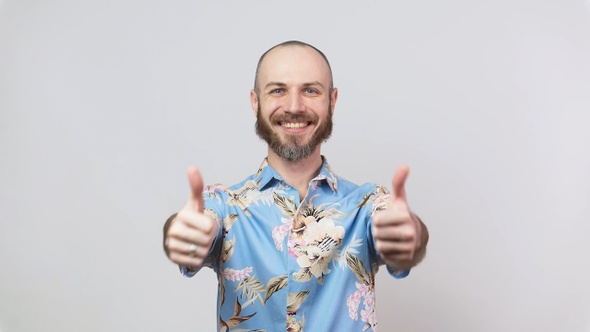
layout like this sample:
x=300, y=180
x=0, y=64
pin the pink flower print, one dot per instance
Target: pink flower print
x=235, y=275
x=294, y=246
x=314, y=184
x=354, y=300
x=278, y=235
x=369, y=315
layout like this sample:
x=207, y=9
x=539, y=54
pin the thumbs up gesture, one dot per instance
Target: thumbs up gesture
x=188, y=235
x=400, y=235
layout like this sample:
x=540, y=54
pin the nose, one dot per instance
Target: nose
x=295, y=103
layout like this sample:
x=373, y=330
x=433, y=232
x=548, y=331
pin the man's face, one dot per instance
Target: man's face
x=293, y=146
x=294, y=104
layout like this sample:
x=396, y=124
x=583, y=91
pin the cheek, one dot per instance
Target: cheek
x=272, y=105
x=323, y=110
x=322, y=106
x=269, y=109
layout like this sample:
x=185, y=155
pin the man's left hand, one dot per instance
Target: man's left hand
x=400, y=235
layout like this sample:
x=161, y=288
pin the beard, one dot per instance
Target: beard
x=293, y=148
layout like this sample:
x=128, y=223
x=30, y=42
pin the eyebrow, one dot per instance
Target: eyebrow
x=280, y=84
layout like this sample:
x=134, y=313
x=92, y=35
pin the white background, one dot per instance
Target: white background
x=104, y=104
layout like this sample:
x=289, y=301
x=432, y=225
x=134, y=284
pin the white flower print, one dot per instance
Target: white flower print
x=321, y=239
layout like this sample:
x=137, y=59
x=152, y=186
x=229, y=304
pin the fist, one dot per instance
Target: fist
x=189, y=235
x=397, y=231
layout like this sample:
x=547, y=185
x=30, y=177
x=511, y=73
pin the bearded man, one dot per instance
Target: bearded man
x=295, y=247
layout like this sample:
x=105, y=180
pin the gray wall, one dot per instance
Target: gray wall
x=104, y=104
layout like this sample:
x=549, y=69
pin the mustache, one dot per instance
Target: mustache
x=290, y=117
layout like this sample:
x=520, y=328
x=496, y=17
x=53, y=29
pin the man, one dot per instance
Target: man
x=294, y=246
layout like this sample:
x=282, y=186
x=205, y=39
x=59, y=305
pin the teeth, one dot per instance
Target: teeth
x=295, y=125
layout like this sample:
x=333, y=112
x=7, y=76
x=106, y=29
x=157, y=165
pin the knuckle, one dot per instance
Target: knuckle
x=175, y=257
x=381, y=247
x=376, y=232
x=376, y=221
x=182, y=214
x=207, y=226
x=196, y=262
x=409, y=236
x=174, y=231
x=378, y=245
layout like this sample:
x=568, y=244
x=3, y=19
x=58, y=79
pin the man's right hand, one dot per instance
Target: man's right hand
x=188, y=235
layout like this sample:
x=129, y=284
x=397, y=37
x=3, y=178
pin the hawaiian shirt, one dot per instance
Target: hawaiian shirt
x=285, y=264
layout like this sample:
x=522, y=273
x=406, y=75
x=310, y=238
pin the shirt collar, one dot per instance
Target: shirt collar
x=266, y=174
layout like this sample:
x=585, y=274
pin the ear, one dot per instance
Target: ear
x=333, y=98
x=254, y=101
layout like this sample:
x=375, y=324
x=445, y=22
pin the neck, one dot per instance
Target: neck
x=297, y=173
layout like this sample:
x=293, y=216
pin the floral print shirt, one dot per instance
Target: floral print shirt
x=285, y=264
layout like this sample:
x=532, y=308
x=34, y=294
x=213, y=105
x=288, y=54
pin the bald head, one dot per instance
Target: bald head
x=290, y=44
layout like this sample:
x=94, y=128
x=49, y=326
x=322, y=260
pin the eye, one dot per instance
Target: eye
x=277, y=91
x=310, y=91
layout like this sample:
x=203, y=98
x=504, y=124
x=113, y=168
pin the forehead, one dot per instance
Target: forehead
x=294, y=64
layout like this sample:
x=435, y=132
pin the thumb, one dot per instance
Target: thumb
x=195, y=181
x=399, y=182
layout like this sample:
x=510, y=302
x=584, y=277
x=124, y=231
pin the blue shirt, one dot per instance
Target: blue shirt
x=286, y=264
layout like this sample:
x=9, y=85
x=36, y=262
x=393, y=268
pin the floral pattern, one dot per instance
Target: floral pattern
x=274, y=253
x=316, y=249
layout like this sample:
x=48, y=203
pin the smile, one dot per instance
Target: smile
x=294, y=125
